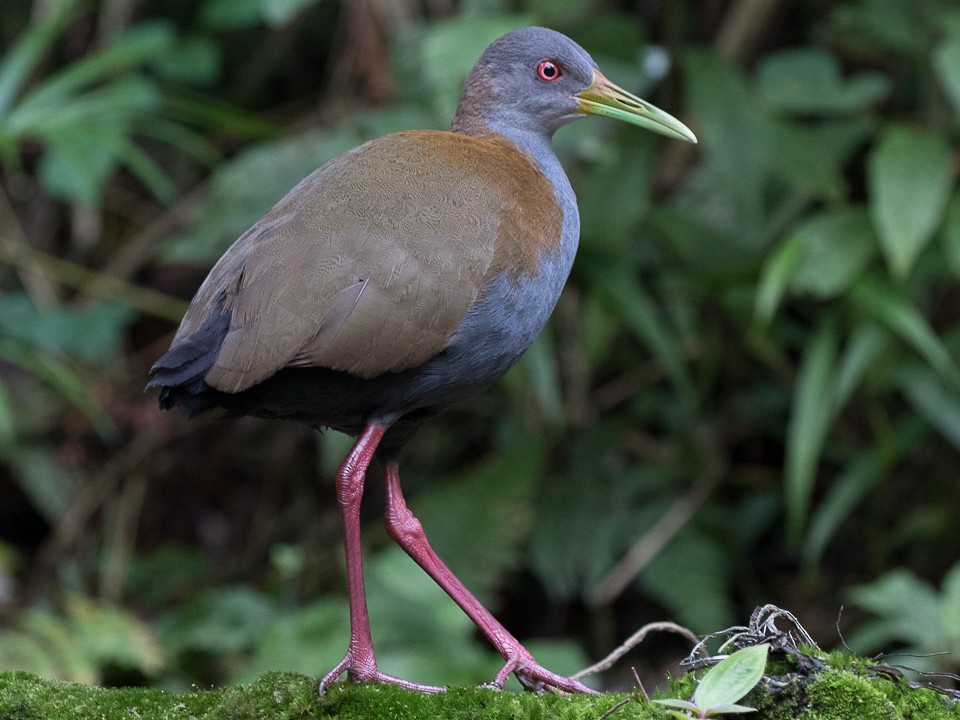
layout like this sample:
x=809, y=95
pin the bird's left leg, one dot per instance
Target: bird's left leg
x=404, y=527
x=359, y=662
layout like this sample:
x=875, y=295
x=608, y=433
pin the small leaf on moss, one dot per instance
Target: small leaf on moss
x=732, y=678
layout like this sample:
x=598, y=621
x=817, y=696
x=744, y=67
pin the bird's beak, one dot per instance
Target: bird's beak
x=609, y=100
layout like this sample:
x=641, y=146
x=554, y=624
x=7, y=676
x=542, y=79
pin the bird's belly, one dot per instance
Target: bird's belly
x=505, y=320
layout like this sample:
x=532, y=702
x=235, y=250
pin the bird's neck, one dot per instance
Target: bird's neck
x=539, y=150
x=535, y=143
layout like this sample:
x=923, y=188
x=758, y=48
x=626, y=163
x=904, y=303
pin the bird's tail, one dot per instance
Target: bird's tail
x=180, y=371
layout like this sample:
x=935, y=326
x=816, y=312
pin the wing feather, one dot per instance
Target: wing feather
x=367, y=266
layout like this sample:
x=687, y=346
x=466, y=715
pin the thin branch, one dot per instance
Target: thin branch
x=13, y=243
x=144, y=300
x=743, y=25
x=616, y=707
x=631, y=642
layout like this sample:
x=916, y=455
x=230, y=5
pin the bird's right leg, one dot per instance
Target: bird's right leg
x=359, y=663
x=406, y=529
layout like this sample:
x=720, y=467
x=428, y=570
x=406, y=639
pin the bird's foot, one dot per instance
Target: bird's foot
x=536, y=678
x=364, y=670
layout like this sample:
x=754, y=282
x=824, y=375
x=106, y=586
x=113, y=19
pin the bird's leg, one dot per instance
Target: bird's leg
x=404, y=527
x=359, y=663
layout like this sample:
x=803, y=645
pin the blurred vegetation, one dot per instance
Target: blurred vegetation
x=749, y=392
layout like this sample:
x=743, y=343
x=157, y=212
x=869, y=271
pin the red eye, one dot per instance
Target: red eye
x=548, y=71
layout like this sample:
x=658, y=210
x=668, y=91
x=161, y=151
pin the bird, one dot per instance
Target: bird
x=396, y=280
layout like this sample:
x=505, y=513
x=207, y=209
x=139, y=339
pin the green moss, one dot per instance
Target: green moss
x=844, y=688
x=27, y=697
x=347, y=702
x=289, y=696
x=836, y=695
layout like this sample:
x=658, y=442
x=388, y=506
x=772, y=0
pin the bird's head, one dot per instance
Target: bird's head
x=538, y=79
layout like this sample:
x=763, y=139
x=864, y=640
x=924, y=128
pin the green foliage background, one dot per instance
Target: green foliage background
x=749, y=392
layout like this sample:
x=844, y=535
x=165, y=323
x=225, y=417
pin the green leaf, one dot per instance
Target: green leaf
x=50, y=486
x=92, y=332
x=946, y=61
x=280, y=12
x=735, y=138
x=879, y=300
x=78, y=169
x=640, y=313
x=230, y=14
x=951, y=236
x=881, y=27
x=235, y=14
x=728, y=709
x=194, y=60
x=449, y=48
x=845, y=492
x=804, y=161
x=809, y=81
x=8, y=426
x=838, y=245
x=683, y=704
x=227, y=619
x=811, y=414
x=609, y=223
x=908, y=609
x=116, y=103
x=934, y=402
x=40, y=652
x=62, y=379
x=909, y=176
x=303, y=640
x=59, y=92
x=732, y=678
x=148, y=172
x=114, y=636
x=20, y=60
x=541, y=372
x=866, y=343
x=951, y=605
x=775, y=277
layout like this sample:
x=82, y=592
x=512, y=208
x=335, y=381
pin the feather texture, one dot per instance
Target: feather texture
x=370, y=264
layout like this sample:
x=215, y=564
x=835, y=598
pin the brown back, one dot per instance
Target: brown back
x=372, y=261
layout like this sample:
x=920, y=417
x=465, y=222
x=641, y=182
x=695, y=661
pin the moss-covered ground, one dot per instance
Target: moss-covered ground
x=840, y=688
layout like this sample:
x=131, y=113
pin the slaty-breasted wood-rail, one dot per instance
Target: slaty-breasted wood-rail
x=397, y=279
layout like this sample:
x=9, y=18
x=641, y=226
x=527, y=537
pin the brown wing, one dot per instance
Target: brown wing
x=367, y=266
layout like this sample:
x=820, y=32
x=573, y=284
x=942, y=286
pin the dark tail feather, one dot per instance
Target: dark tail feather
x=179, y=372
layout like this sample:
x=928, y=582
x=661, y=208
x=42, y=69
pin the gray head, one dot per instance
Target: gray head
x=535, y=80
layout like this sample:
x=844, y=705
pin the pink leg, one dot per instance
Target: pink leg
x=359, y=662
x=404, y=527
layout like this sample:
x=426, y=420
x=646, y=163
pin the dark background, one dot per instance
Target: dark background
x=750, y=389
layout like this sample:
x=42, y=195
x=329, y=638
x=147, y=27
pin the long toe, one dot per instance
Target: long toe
x=536, y=678
x=364, y=672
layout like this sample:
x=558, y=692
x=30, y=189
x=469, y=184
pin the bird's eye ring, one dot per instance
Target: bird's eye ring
x=548, y=71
